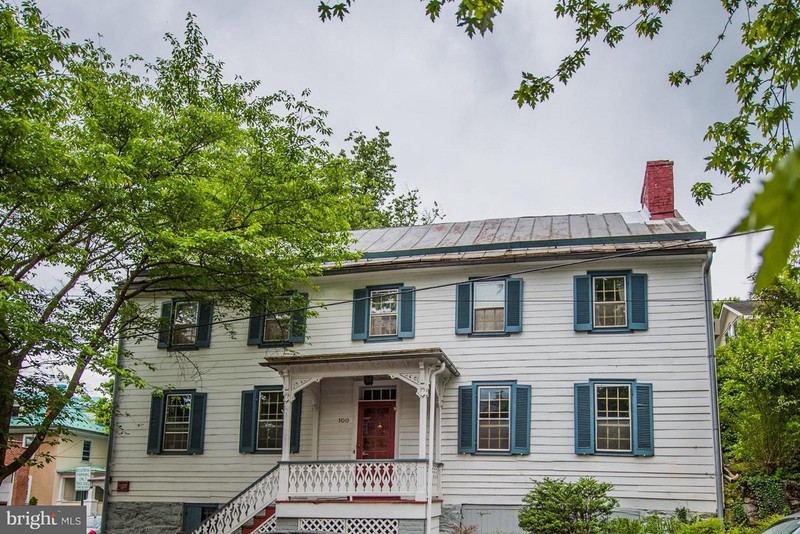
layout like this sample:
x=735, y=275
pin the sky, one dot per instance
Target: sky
x=446, y=100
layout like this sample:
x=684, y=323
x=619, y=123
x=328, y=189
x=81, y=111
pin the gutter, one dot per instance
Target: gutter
x=712, y=379
x=112, y=424
x=431, y=428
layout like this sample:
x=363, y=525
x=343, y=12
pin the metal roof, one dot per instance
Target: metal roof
x=511, y=239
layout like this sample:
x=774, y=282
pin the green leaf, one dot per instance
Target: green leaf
x=777, y=206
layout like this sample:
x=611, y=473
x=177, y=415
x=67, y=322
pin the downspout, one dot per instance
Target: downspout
x=112, y=425
x=431, y=427
x=712, y=377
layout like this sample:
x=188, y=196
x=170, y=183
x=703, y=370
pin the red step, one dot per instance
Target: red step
x=257, y=521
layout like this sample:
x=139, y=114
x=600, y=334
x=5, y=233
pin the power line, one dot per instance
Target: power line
x=339, y=302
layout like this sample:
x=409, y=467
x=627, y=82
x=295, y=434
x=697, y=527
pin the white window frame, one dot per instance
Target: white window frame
x=86, y=457
x=165, y=430
x=184, y=328
x=380, y=293
x=476, y=306
x=478, y=418
x=27, y=439
x=259, y=420
x=597, y=418
x=596, y=303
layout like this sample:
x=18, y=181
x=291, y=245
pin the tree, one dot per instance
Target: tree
x=759, y=380
x=757, y=141
x=122, y=180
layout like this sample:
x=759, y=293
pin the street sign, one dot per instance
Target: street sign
x=82, y=475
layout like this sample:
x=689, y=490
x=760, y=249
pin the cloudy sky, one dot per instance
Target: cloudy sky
x=457, y=136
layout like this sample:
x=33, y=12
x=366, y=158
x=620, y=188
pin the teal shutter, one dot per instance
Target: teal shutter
x=197, y=423
x=583, y=303
x=514, y=305
x=360, y=314
x=165, y=325
x=521, y=431
x=466, y=419
x=584, y=431
x=155, y=425
x=643, y=431
x=192, y=516
x=464, y=308
x=407, y=303
x=204, y=319
x=637, y=302
x=297, y=331
x=255, y=331
x=247, y=422
x=297, y=409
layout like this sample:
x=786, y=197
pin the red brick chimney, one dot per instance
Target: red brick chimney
x=658, y=192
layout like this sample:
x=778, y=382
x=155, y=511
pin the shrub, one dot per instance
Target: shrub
x=769, y=496
x=554, y=506
x=712, y=525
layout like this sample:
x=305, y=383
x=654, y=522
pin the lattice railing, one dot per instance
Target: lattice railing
x=243, y=507
x=351, y=526
x=267, y=526
x=404, y=478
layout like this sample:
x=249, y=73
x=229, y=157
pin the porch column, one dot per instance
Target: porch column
x=422, y=393
x=286, y=435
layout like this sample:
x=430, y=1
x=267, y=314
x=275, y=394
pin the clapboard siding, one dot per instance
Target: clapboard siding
x=548, y=355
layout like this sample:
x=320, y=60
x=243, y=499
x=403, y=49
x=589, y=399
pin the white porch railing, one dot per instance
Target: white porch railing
x=358, y=478
x=254, y=499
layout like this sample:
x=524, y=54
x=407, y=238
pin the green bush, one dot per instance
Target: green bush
x=554, y=506
x=712, y=525
x=769, y=495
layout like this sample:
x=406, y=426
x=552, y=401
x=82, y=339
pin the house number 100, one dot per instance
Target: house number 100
x=344, y=419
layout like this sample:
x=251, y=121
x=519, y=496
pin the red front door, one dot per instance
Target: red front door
x=375, y=430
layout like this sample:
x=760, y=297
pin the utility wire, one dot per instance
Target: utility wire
x=572, y=263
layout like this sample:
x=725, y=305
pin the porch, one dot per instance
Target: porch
x=374, y=429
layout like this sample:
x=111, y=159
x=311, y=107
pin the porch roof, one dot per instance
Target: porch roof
x=430, y=355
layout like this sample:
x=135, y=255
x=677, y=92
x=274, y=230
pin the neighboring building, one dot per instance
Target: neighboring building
x=730, y=314
x=85, y=443
x=451, y=364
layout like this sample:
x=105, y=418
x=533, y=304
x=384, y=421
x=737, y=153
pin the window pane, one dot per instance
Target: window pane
x=610, y=306
x=383, y=313
x=613, y=418
x=270, y=420
x=489, y=307
x=494, y=420
x=276, y=327
x=176, y=422
x=184, y=322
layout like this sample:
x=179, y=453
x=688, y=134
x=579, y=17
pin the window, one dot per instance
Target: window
x=282, y=325
x=27, y=439
x=610, y=302
x=86, y=453
x=487, y=307
x=383, y=313
x=494, y=418
x=185, y=324
x=614, y=417
x=261, y=425
x=195, y=514
x=177, y=423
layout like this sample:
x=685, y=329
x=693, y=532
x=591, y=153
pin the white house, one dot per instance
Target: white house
x=450, y=365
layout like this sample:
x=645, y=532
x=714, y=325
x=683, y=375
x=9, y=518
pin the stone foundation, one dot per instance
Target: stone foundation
x=450, y=520
x=411, y=526
x=144, y=517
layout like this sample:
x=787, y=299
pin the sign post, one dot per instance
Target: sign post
x=82, y=483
